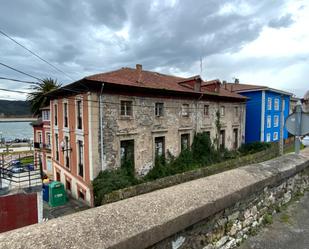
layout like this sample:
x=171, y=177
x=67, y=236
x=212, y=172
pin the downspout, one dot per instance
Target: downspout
x=101, y=128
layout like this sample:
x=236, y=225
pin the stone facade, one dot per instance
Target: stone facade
x=229, y=227
x=143, y=126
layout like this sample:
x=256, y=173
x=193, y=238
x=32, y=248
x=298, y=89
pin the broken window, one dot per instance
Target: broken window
x=126, y=108
x=185, y=141
x=159, y=109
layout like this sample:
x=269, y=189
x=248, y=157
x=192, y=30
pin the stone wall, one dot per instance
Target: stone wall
x=229, y=227
x=219, y=210
x=144, y=126
x=190, y=175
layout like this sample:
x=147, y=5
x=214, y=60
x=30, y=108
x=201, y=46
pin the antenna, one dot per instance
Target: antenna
x=201, y=66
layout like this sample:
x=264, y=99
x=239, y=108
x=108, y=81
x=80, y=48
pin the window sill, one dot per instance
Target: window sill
x=126, y=117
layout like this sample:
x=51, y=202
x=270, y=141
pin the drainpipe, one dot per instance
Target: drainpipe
x=101, y=127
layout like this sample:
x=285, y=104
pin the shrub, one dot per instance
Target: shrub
x=110, y=180
x=253, y=147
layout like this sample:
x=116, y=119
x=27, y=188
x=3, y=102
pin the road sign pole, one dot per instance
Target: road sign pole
x=298, y=128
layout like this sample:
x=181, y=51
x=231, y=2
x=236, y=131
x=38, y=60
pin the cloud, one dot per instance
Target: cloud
x=85, y=37
x=282, y=22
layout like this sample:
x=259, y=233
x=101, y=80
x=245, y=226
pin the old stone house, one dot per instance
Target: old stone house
x=104, y=119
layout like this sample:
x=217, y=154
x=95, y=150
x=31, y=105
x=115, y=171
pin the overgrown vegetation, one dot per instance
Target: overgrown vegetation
x=201, y=154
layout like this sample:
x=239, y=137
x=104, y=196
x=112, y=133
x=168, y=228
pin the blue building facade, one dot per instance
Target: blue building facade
x=263, y=114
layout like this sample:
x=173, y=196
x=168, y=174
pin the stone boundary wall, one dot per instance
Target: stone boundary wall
x=180, y=216
x=168, y=181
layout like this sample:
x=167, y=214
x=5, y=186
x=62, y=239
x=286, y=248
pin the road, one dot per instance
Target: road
x=290, y=229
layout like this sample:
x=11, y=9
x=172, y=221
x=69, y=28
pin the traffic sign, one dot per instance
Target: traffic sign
x=291, y=124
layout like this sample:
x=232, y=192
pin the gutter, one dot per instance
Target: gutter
x=103, y=166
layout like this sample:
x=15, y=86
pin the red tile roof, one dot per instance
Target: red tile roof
x=154, y=80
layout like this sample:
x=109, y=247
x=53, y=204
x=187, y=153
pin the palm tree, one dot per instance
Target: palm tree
x=37, y=97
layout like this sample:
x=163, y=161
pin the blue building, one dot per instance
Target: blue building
x=263, y=111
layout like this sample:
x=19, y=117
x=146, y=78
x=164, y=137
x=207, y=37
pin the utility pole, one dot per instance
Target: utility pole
x=281, y=126
x=298, y=127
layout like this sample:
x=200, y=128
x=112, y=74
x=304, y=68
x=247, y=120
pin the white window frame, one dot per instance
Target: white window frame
x=185, y=110
x=81, y=113
x=65, y=103
x=276, y=104
x=46, y=115
x=222, y=111
x=276, y=120
x=124, y=102
x=275, y=136
x=268, y=121
x=269, y=103
x=268, y=137
x=159, y=105
x=55, y=114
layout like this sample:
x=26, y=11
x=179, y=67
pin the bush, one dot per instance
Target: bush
x=110, y=180
x=253, y=147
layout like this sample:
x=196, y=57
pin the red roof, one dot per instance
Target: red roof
x=148, y=79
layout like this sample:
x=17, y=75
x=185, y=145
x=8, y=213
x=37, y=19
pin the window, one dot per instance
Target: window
x=222, y=139
x=45, y=115
x=65, y=113
x=276, y=121
x=159, y=110
x=268, y=137
x=276, y=104
x=127, y=152
x=268, y=121
x=159, y=146
x=207, y=133
x=68, y=184
x=58, y=178
x=40, y=137
x=185, y=110
x=81, y=195
x=269, y=104
x=275, y=136
x=222, y=110
x=235, y=136
x=80, y=158
x=126, y=108
x=79, y=114
x=57, y=146
x=206, y=110
x=185, y=141
x=236, y=111
x=67, y=157
x=55, y=114
x=48, y=140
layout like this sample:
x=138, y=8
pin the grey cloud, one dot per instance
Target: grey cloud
x=81, y=37
x=282, y=22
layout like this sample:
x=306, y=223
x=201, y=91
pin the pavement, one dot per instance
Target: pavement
x=290, y=229
x=72, y=206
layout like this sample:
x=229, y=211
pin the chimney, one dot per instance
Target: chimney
x=197, y=85
x=139, y=69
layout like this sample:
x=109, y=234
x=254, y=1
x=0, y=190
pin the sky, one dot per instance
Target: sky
x=264, y=42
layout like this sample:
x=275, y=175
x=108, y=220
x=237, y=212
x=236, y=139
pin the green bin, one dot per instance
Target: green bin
x=57, y=194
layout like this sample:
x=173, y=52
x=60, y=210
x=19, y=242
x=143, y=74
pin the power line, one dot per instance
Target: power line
x=36, y=55
x=16, y=80
x=19, y=71
x=14, y=91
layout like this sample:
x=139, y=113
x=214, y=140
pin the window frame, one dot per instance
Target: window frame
x=222, y=111
x=275, y=138
x=57, y=146
x=79, y=114
x=159, y=109
x=268, y=137
x=276, y=118
x=65, y=115
x=55, y=114
x=185, y=110
x=268, y=121
x=157, y=141
x=206, y=110
x=276, y=104
x=126, y=108
x=80, y=158
x=187, y=136
x=269, y=103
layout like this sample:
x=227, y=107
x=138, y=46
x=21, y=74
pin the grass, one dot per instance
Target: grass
x=285, y=218
x=27, y=160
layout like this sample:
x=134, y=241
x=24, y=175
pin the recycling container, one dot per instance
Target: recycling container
x=57, y=194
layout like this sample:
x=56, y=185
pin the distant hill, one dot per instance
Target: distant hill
x=12, y=108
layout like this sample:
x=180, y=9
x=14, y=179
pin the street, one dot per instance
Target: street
x=290, y=229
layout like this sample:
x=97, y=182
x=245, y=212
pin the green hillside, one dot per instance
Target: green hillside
x=9, y=108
